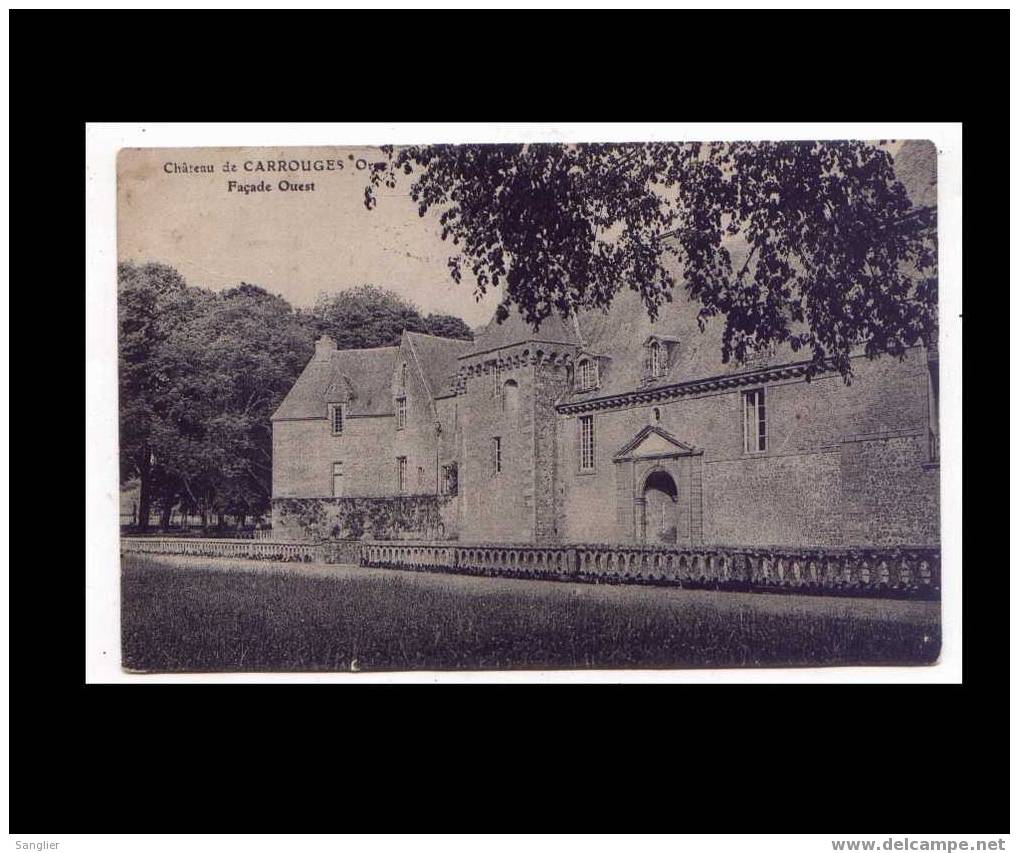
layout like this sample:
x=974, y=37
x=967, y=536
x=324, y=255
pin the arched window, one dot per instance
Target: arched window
x=510, y=396
x=403, y=376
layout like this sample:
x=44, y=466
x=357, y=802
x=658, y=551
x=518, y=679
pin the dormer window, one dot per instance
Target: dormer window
x=336, y=418
x=587, y=374
x=656, y=357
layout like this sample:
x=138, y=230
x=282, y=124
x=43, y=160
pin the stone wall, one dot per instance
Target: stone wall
x=417, y=441
x=498, y=507
x=304, y=452
x=782, y=500
x=402, y=517
x=843, y=465
x=889, y=494
x=549, y=385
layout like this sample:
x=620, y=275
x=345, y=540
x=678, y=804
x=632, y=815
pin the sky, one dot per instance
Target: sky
x=294, y=243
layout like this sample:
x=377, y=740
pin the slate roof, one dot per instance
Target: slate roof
x=621, y=332
x=515, y=329
x=365, y=375
x=437, y=358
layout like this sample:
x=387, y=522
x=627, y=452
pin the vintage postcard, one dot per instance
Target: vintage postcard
x=529, y=406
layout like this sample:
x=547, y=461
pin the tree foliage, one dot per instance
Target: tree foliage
x=153, y=302
x=234, y=362
x=814, y=244
x=371, y=316
x=201, y=374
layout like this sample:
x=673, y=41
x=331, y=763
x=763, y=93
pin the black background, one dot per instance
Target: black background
x=679, y=758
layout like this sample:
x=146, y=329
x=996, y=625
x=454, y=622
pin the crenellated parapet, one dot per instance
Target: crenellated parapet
x=482, y=365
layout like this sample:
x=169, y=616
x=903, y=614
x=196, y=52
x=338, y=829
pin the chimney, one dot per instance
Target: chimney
x=324, y=348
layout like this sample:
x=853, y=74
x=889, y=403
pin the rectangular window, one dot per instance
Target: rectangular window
x=587, y=443
x=449, y=479
x=496, y=455
x=403, y=377
x=401, y=474
x=496, y=379
x=755, y=438
x=337, y=479
x=401, y=412
x=336, y=418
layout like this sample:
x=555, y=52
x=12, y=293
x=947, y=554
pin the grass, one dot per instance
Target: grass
x=207, y=615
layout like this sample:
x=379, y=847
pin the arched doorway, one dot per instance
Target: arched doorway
x=659, y=507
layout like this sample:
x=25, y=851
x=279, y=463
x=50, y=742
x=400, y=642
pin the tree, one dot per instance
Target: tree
x=370, y=316
x=153, y=301
x=251, y=347
x=448, y=326
x=227, y=370
x=200, y=375
x=816, y=243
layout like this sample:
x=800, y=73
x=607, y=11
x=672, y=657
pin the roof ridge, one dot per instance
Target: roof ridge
x=437, y=337
x=421, y=372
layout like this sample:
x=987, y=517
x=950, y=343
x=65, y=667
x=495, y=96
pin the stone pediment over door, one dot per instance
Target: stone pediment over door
x=658, y=489
x=653, y=442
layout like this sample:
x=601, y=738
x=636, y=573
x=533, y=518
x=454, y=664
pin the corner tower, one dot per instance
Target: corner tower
x=508, y=383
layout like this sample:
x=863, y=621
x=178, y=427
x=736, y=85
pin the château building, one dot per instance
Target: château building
x=610, y=428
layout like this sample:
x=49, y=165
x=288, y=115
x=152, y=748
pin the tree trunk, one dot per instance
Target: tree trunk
x=164, y=517
x=144, y=501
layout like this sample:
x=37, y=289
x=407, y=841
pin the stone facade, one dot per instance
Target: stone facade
x=667, y=459
x=611, y=428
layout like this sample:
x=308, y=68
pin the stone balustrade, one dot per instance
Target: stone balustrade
x=904, y=571
x=250, y=549
x=908, y=571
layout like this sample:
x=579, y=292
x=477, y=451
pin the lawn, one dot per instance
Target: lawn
x=202, y=614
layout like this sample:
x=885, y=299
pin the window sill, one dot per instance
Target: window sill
x=931, y=466
x=586, y=472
